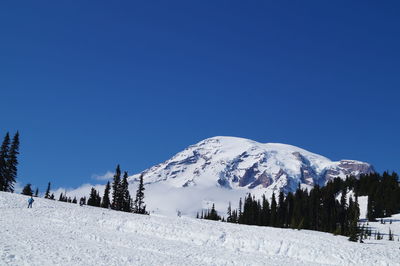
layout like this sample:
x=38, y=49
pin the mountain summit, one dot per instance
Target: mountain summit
x=231, y=163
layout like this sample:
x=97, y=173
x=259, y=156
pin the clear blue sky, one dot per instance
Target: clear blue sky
x=90, y=84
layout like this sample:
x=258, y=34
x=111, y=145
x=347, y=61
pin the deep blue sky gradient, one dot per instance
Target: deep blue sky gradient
x=90, y=84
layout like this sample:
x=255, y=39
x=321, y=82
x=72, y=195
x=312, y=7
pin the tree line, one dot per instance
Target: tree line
x=324, y=209
x=121, y=199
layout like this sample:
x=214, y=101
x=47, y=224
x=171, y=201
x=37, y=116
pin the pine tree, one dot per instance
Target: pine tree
x=353, y=231
x=213, y=215
x=281, y=212
x=240, y=213
x=343, y=213
x=266, y=212
x=4, y=153
x=47, y=194
x=126, y=198
x=139, y=206
x=82, y=201
x=290, y=206
x=52, y=196
x=27, y=190
x=229, y=213
x=37, y=192
x=97, y=200
x=273, y=210
x=106, y=198
x=12, y=164
x=92, y=201
x=116, y=194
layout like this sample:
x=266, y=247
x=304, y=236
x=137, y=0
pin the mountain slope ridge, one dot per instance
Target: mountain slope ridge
x=233, y=162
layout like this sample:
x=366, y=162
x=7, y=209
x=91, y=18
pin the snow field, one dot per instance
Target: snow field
x=58, y=233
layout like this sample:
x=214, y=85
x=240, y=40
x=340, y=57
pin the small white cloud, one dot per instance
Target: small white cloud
x=106, y=176
x=18, y=187
x=83, y=190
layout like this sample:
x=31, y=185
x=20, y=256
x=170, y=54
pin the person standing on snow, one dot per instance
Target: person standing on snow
x=30, y=201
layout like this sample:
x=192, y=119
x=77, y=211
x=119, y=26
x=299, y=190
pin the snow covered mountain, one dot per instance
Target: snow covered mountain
x=231, y=163
x=222, y=169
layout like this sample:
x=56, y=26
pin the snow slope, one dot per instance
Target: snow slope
x=57, y=233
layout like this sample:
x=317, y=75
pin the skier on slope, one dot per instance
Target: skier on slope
x=30, y=201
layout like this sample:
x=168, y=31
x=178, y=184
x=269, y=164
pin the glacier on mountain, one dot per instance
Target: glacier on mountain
x=231, y=162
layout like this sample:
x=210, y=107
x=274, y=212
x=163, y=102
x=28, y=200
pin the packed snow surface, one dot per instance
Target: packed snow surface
x=58, y=233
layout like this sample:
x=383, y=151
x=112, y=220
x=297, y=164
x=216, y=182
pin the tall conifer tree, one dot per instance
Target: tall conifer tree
x=4, y=153
x=273, y=210
x=139, y=206
x=12, y=164
x=47, y=194
x=106, y=198
x=116, y=194
x=126, y=198
x=27, y=190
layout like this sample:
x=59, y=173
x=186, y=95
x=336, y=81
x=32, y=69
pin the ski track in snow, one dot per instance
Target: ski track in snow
x=57, y=233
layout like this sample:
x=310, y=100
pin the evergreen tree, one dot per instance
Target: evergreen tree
x=116, y=194
x=289, y=208
x=240, y=218
x=63, y=197
x=37, y=192
x=139, y=206
x=47, y=194
x=106, y=198
x=281, y=212
x=12, y=163
x=82, y=201
x=27, y=190
x=343, y=212
x=93, y=198
x=97, y=200
x=265, y=212
x=52, y=196
x=126, y=198
x=273, y=211
x=4, y=153
x=297, y=208
x=212, y=214
x=353, y=231
x=229, y=214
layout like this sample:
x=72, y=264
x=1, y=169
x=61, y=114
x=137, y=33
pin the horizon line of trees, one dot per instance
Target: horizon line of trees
x=121, y=199
x=319, y=209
